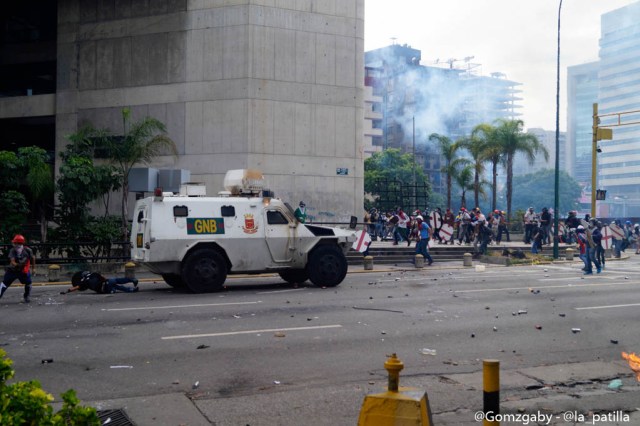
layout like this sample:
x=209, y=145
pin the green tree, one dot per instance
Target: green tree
x=538, y=190
x=13, y=214
x=39, y=181
x=493, y=153
x=464, y=180
x=452, y=163
x=392, y=166
x=512, y=139
x=10, y=171
x=26, y=403
x=141, y=142
x=476, y=144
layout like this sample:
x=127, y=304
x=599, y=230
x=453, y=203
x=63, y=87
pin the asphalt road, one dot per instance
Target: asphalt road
x=263, y=337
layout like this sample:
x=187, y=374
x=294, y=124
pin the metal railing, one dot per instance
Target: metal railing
x=76, y=252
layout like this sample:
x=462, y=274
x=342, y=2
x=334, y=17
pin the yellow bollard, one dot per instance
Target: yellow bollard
x=491, y=390
x=397, y=406
x=54, y=273
x=130, y=270
x=368, y=263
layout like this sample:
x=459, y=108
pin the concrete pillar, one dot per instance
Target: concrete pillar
x=130, y=270
x=569, y=254
x=467, y=259
x=368, y=263
x=54, y=273
x=419, y=261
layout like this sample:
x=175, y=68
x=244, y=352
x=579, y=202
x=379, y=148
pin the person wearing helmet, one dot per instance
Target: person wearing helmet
x=22, y=263
x=85, y=280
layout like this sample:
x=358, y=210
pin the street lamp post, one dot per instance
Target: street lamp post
x=556, y=207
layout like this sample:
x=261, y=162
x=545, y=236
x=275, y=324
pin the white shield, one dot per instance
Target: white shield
x=363, y=239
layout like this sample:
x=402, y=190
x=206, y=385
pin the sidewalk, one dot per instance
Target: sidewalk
x=579, y=389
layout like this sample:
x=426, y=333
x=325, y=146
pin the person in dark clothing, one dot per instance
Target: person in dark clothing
x=596, y=235
x=86, y=280
x=545, y=225
x=22, y=263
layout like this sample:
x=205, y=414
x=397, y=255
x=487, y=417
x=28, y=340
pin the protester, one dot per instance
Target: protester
x=86, y=280
x=22, y=263
x=422, y=247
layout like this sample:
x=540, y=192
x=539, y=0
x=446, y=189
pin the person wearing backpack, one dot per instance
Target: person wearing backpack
x=86, y=280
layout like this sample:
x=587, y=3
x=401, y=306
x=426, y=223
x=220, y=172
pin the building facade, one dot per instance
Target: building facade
x=619, y=92
x=582, y=93
x=239, y=84
x=442, y=98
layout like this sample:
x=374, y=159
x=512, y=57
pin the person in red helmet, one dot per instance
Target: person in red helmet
x=21, y=263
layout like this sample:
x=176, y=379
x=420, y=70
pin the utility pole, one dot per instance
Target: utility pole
x=415, y=198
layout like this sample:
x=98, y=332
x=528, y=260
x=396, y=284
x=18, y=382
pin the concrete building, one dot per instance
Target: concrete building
x=582, y=93
x=547, y=139
x=441, y=98
x=373, y=115
x=276, y=86
x=619, y=92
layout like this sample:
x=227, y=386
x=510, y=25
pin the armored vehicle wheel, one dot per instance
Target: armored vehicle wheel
x=294, y=276
x=174, y=280
x=204, y=271
x=327, y=266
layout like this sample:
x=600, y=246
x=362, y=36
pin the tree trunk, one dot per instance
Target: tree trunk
x=494, y=184
x=476, y=187
x=463, y=200
x=509, y=184
x=125, y=211
x=448, y=190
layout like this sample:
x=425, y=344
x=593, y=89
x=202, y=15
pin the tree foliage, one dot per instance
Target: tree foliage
x=139, y=143
x=26, y=403
x=538, y=190
x=390, y=169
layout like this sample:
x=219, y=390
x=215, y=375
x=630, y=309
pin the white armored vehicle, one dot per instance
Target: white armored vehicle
x=196, y=241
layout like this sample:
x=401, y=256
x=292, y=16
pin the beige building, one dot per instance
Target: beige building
x=275, y=85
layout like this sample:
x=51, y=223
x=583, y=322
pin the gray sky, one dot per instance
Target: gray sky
x=516, y=37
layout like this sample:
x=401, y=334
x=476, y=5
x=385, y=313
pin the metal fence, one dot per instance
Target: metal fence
x=76, y=252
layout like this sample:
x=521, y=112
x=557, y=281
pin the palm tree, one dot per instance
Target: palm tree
x=141, y=142
x=493, y=153
x=476, y=145
x=452, y=163
x=464, y=179
x=513, y=140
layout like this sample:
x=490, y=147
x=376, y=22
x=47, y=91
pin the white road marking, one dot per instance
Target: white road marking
x=282, y=291
x=182, y=306
x=607, y=306
x=483, y=290
x=267, y=330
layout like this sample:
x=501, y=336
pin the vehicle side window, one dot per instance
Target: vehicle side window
x=228, y=211
x=140, y=216
x=274, y=217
